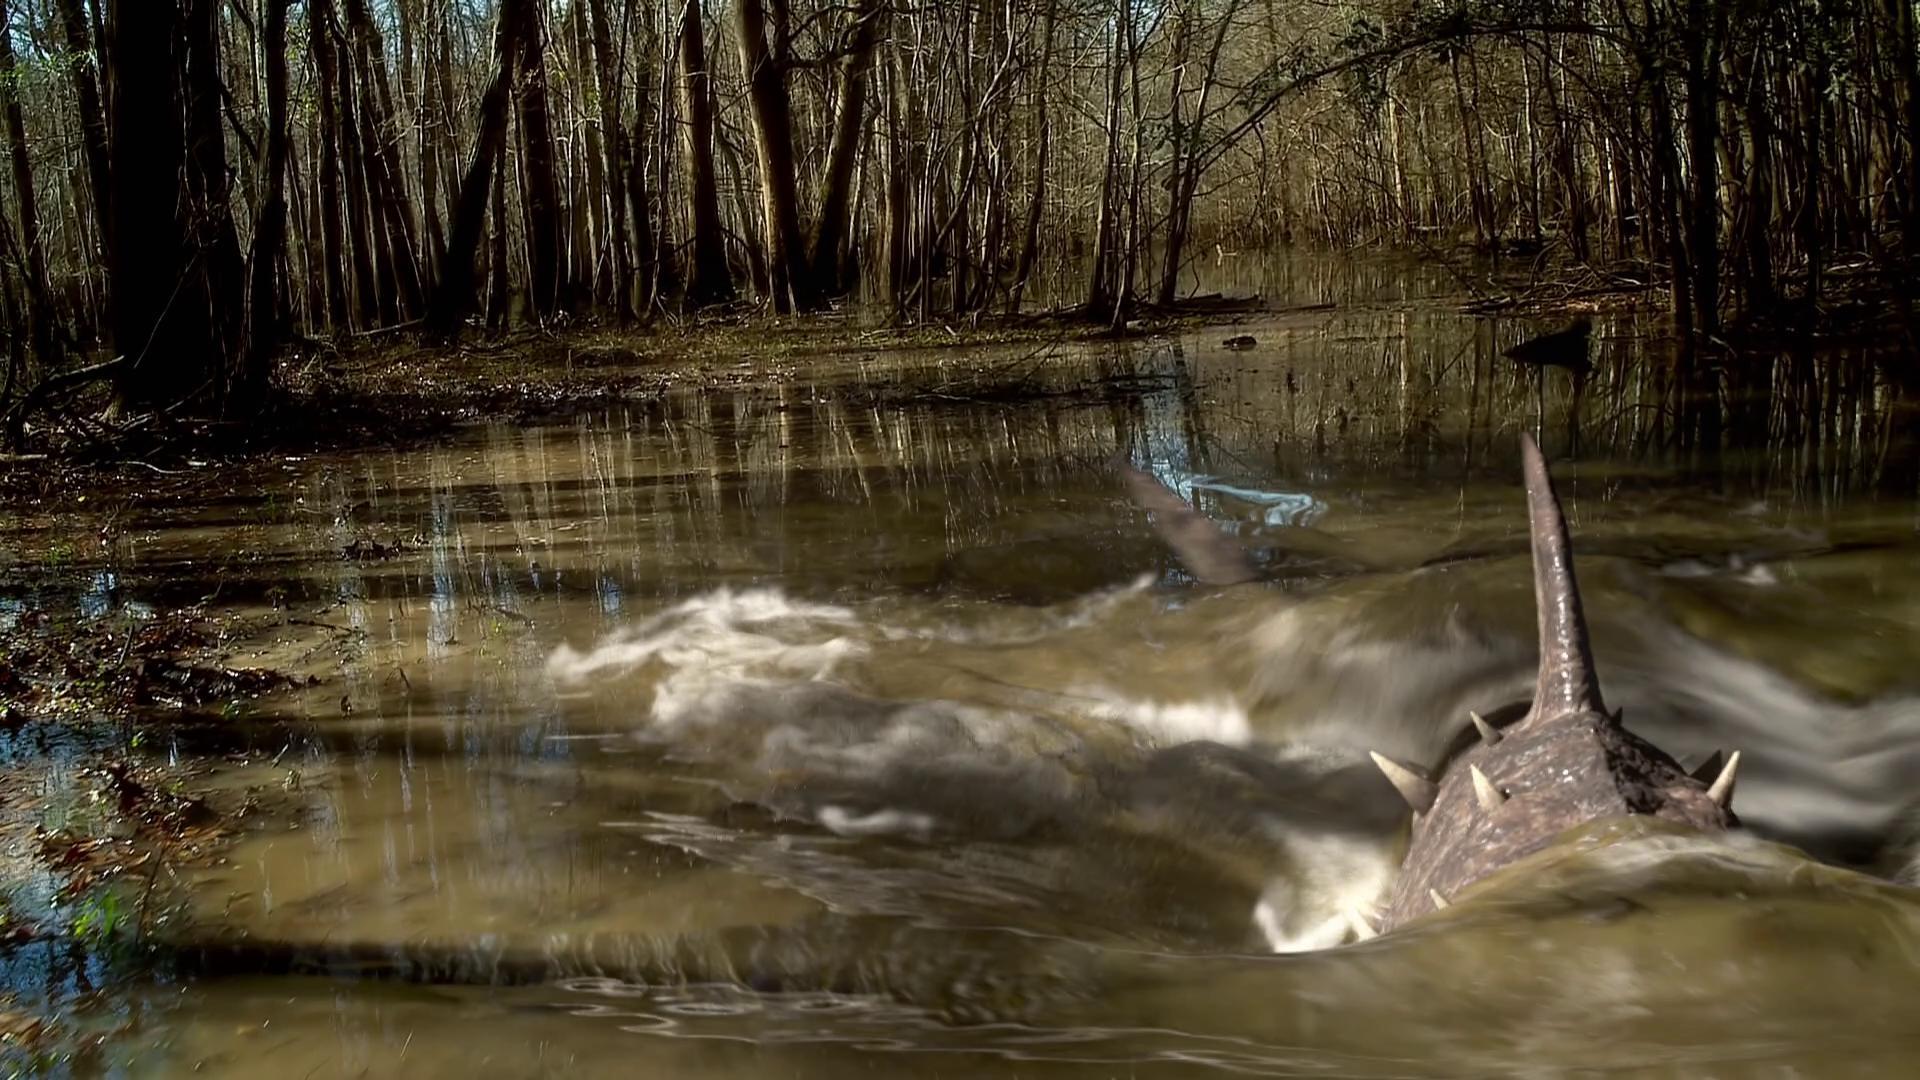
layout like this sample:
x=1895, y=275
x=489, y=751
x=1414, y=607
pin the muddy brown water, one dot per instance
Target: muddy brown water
x=854, y=724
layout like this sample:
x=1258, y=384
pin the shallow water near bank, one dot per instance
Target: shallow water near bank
x=854, y=720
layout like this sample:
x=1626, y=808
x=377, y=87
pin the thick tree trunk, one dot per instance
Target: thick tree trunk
x=453, y=295
x=264, y=317
x=709, y=280
x=164, y=343
x=843, y=154
x=548, y=292
x=788, y=283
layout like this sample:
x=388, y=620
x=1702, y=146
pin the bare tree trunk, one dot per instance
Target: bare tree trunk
x=454, y=294
x=40, y=314
x=710, y=281
x=93, y=121
x=548, y=292
x=789, y=285
x=217, y=266
x=264, y=317
x=327, y=72
x=1037, y=198
x=843, y=155
x=619, y=155
x=1102, y=282
x=164, y=343
x=386, y=177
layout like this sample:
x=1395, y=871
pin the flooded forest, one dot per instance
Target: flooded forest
x=1008, y=538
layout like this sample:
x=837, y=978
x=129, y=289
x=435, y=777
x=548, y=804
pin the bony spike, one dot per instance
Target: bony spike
x=1484, y=792
x=1488, y=733
x=1417, y=790
x=1722, y=790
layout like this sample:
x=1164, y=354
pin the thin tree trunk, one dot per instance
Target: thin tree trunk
x=327, y=72
x=386, y=175
x=93, y=121
x=619, y=155
x=218, y=268
x=454, y=294
x=40, y=314
x=1037, y=198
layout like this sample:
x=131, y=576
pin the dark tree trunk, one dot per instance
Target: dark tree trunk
x=164, y=343
x=709, y=281
x=788, y=283
x=217, y=270
x=264, y=317
x=326, y=66
x=548, y=293
x=843, y=154
x=1102, y=281
x=619, y=155
x=373, y=292
x=454, y=294
x=386, y=176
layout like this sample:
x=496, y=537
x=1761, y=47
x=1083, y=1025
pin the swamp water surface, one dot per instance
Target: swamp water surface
x=856, y=724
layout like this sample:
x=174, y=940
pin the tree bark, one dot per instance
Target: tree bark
x=789, y=285
x=843, y=154
x=93, y=121
x=1037, y=198
x=386, y=176
x=548, y=292
x=217, y=269
x=264, y=316
x=619, y=155
x=164, y=343
x=326, y=65
x=709, y=281
x=453, y=295
x=40, y=314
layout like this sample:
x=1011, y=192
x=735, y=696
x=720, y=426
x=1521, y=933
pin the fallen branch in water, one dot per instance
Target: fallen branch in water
x=16, y=417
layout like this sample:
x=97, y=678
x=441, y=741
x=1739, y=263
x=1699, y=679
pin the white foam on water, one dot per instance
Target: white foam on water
x=723, y=626
x=1221, y=719
x=1334, y=884
x=843, y=822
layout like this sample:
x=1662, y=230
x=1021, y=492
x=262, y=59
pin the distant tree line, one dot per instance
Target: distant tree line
x=194, y=183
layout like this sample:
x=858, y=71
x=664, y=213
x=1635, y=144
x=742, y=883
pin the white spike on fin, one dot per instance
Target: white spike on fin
x=1484, y=792
x=1439, y=902
x=1722, y=790
x=1488, y=733
x=1417, y=790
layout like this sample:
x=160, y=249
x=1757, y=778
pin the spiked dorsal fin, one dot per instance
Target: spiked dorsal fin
x=1208, y=553
x=1567, y=682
